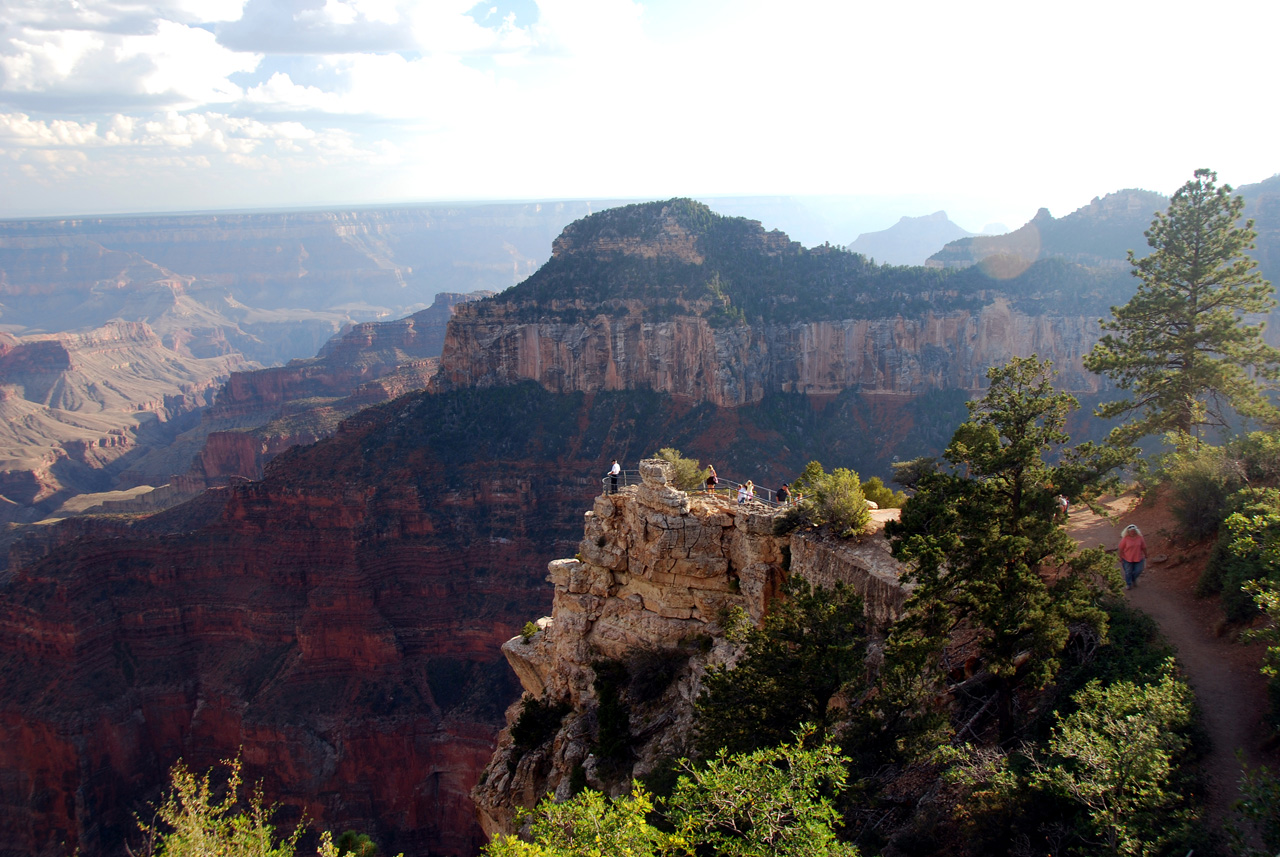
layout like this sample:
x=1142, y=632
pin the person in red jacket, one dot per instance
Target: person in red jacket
x=1133, y=555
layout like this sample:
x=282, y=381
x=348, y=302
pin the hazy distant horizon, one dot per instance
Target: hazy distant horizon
x=988, y=112
x=811, y=220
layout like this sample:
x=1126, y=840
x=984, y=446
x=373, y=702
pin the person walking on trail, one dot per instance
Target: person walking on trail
x=712, y=479
x=613, y=477
x=1133, y=555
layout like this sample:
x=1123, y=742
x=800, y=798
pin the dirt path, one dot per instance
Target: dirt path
x=1223, y=672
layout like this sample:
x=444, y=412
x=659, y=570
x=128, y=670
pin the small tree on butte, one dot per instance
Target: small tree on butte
x=981, y=540
x=1181, y=345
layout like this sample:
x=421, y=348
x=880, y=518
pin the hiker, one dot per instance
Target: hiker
x=1133, y=555
x=784, y=494
x=613, y=477
x=1062, y=507
x=712, y=479
x=744, y=493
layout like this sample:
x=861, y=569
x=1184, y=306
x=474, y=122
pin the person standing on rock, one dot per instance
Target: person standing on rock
x=1133, y=555
x=613, y=477
x=712, y=479
x=784, y=494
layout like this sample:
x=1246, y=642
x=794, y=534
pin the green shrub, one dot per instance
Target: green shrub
x=689, y=475
x=811, y=647
x=1248, y=549
x=833, y=498
x=193, y=823
x=527, y=632
x=1116, y=758
x=539, y=720
x=877, y=492
x=1200, y=485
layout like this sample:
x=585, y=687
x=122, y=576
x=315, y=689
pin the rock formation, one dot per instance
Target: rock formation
x=657, y=572
x=73, y=406
x=490, y=344
x=259, y=414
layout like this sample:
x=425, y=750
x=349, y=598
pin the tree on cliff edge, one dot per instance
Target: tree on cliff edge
x=1181, y=344
x=984, y=547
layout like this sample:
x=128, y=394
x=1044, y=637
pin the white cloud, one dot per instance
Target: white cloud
x=45, y=60
x=186, y=64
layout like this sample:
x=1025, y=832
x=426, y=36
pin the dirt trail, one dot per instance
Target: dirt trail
x=1223, y=672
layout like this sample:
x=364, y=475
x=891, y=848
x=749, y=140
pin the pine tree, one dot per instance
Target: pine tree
x=1182, y=345
x=983, y=543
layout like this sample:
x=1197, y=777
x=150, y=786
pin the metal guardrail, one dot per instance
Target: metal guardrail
x=724, y=487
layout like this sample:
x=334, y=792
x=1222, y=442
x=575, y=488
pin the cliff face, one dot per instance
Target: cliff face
x=338, y=624
x=657, y=570
x=490, y=344
x=260, y=413
x=671, y=297
x=74, y=406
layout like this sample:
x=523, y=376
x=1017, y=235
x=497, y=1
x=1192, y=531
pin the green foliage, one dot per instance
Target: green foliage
x=977, y=533
x=1266, y=596
x=1116, y=757
x=768, y=802
x=834, y=499
x=689, y=475
x=771, y=802
x=356, y=844
x=192, y=822
x=1111, y=777
x=884, y=497
x=538, y=721
x=1247, y=550
x=527, y=632
x=1259, y=808
x=1181, y=344
x=811, y=647
x=590, y=825
x=1200, y=482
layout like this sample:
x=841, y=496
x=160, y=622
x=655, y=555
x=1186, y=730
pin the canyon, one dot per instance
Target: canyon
x=118, y=330
x=336, y=595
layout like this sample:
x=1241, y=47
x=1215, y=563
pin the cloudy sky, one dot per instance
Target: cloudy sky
x=991, y=109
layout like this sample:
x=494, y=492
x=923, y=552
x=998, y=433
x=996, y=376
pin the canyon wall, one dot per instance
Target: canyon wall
x=656, y=576
x=489, y=344
x=74, y=407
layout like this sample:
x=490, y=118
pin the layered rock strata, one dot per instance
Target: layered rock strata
x=490, y=344
x=657, y=575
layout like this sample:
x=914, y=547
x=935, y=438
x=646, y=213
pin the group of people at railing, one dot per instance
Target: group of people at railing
x=746, y=492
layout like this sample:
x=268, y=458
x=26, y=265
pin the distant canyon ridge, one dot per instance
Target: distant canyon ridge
x=381, y=518
x=130, y=344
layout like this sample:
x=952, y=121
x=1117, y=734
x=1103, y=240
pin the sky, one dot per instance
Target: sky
x=988, y=109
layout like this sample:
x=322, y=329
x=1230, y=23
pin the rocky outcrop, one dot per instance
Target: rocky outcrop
x=259, y=414
x=74, y=405
x=657, y=573
x=491, y=344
